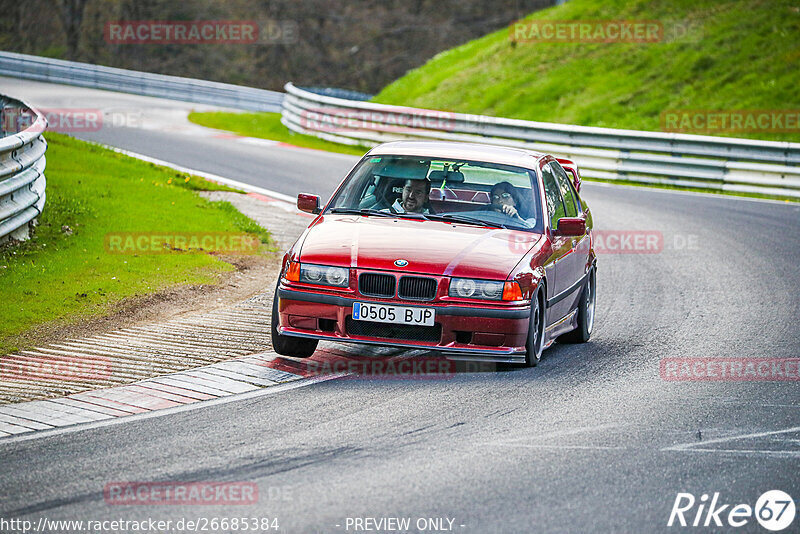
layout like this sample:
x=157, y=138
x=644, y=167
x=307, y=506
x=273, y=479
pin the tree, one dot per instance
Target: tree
x=72, y=18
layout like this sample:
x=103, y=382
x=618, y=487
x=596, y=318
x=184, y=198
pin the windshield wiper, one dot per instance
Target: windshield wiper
x=365, y=211
x=413, y=215
x=466, y=220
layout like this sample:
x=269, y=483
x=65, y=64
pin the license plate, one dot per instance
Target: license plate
x=383, y=313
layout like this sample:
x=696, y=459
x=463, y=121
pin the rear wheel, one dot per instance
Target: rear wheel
x=287, y=345
x=535, y=342
x=585, y=313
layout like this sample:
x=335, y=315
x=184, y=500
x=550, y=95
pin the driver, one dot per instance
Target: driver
x=415, y=197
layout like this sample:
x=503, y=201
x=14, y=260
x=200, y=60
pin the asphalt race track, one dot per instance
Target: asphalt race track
x=157, y=127
x=591, y=440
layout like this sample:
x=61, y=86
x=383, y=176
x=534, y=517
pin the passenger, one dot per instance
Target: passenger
x=415, y=197
x=505, y=198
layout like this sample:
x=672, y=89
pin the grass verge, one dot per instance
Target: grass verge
x=65, y=274
x=268, y=126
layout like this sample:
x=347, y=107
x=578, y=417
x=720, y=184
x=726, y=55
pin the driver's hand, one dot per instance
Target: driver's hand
x=511, y=211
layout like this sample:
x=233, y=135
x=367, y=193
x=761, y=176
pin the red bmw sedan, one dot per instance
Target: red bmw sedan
x=475, y=251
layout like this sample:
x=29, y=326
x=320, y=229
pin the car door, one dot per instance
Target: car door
x=576, y=260
x=556, y=266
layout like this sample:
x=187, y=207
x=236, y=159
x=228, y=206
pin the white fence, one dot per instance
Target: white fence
x=22, y=163
x=706, y=162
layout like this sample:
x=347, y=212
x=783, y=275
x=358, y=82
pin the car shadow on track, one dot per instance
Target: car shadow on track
x=391, y=363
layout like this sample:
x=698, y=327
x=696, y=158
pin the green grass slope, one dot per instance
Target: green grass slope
x=738, y=55
x=63, y=276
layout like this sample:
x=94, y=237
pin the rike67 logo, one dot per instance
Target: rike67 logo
x=774, y=510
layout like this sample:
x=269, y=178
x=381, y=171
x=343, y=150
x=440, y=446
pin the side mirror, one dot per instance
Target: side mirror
x=308, y=203
x=571, y=226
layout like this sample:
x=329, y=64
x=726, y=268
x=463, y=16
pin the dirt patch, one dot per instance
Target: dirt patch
x=254, y=274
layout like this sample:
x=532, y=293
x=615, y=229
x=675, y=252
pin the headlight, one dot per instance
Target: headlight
x=324, y=275
x=476, y=289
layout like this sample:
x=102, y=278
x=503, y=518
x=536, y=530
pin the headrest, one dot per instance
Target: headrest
x=389, y=187
x=405, y=168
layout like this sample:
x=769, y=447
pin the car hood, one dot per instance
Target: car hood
x=430, y=247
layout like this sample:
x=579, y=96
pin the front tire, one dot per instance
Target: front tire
x=535, y=343
x=585, y=313
x=297, y=347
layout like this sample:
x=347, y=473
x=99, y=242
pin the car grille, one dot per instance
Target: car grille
x=393, y=331
x=377, y=285
x=416, y=288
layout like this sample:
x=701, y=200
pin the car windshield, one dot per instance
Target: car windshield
x=468, y=192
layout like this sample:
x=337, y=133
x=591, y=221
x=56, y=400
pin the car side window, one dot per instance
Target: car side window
x=555, y=204
x=570, y=200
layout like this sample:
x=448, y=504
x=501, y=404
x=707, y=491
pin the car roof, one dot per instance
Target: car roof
x=460, y=151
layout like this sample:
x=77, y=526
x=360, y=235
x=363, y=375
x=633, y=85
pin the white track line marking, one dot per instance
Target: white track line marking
x=291, y=200
x=579, y=447
x=704, y=443
x=748, y=452
x=213, y=177
x=556, y=434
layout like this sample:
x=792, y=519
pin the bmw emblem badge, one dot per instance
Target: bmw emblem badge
x=401, y=263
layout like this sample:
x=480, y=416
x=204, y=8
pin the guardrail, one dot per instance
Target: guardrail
x=140, y=83
x=22, y=163
x=705, y=162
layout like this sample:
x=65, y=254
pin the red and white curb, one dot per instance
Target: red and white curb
x=229, y=379
x=195, y=385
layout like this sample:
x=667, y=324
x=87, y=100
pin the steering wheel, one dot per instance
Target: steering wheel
x=497, y=217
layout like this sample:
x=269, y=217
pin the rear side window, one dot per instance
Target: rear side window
x=555, y=204
x=567, y=193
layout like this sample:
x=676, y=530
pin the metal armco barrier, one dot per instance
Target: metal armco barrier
x=140, y=83
x=22, y=162
x=706, y=162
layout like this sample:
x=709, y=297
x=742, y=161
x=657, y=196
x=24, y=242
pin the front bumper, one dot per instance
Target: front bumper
x=474, y=333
